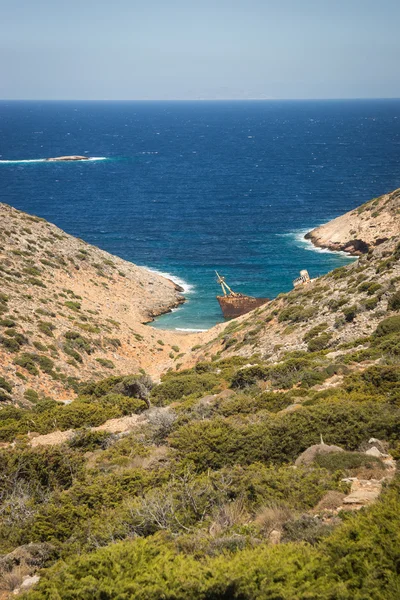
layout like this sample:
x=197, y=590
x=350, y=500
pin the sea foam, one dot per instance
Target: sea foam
x=300, y=241
x=45, y=160
x=187, y=287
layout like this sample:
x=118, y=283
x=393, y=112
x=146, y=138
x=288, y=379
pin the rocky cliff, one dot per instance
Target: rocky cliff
x=363, y=228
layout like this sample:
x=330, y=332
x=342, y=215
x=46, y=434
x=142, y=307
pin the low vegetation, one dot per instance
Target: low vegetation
x=202, y=499
x=201, y=485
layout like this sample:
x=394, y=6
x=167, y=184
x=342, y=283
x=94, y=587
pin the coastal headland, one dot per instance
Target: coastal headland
x=58, y=286
x=363, y=228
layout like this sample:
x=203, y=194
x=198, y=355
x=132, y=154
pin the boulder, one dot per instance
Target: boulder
x=375, y=452
x=63, y=158
x=28, y=582
x=375, y=443
x=308, y=456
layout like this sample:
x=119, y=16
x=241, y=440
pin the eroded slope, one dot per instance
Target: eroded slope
x=70, y=311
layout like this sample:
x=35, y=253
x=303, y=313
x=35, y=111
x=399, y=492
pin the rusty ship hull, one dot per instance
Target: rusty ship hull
x=237, y=305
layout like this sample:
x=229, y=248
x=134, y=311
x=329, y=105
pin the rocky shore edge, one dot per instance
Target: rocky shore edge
x=361, y=229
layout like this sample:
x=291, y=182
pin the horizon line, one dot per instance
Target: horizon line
x=366, y=98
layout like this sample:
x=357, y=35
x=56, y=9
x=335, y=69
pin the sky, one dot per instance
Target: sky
x=199, y=49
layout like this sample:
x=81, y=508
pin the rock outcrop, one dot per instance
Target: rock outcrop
x=308, y=456
x=362, y=228
x=64, y=158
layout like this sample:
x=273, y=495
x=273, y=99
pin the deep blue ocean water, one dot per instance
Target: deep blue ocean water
x=189, y=187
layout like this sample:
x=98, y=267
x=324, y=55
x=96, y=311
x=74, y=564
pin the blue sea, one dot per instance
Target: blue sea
x=189, y=187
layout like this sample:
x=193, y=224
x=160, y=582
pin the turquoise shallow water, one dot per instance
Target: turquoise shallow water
x=189, y=187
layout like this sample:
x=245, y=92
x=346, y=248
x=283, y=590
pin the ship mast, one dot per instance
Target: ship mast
x=224, y=285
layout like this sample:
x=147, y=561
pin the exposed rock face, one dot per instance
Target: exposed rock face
x=362, y=228
x=363, y=492
x=63, y=158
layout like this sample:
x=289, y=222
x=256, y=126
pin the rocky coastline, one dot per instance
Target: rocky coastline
x=361, y=229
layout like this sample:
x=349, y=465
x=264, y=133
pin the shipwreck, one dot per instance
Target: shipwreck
x=233, y=304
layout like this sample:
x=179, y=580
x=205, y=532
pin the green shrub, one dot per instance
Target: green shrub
x=114, y=342
x=36, y=281
x=370, y=287
x=296, y=314
x=5, y=385
x=39, y=346
x=18, y=337
x=29, y=361
x=371, y=303
x=364, y=287
x=334, y=303
x=380, y=380
x=45, y=363
x=350, y=313
x=339, y=273
x=7, y=323
x=4, y=397
x=306, y=528
x=75, y=306
x=10, y=344
x=105, y=362
x=88, y=441
x=388, y=326
x=316, y=344
x=73, y=353
x=249, y=376
x=25, y=360
x=46, y=327
x=31, y=395
x=373, y=288
x=394, y=301
x=314, y=331
x=89, y=328
x=32, y=271
x=77, y=341
x=180, y=385
x=286, y=374
x=345, y=461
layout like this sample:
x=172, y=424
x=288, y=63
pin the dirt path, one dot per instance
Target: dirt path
x=119, y=425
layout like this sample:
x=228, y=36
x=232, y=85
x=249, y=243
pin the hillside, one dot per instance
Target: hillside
x=338, y=309
x=261, y=465
x=362, y=228
x=72, y=312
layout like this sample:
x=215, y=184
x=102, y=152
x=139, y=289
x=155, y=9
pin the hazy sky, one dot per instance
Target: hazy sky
x=165, y=49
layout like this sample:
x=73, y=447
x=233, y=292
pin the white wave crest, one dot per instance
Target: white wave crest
x=301, y=241
x=188, y=288
x=17, y=162
x=42, y=160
